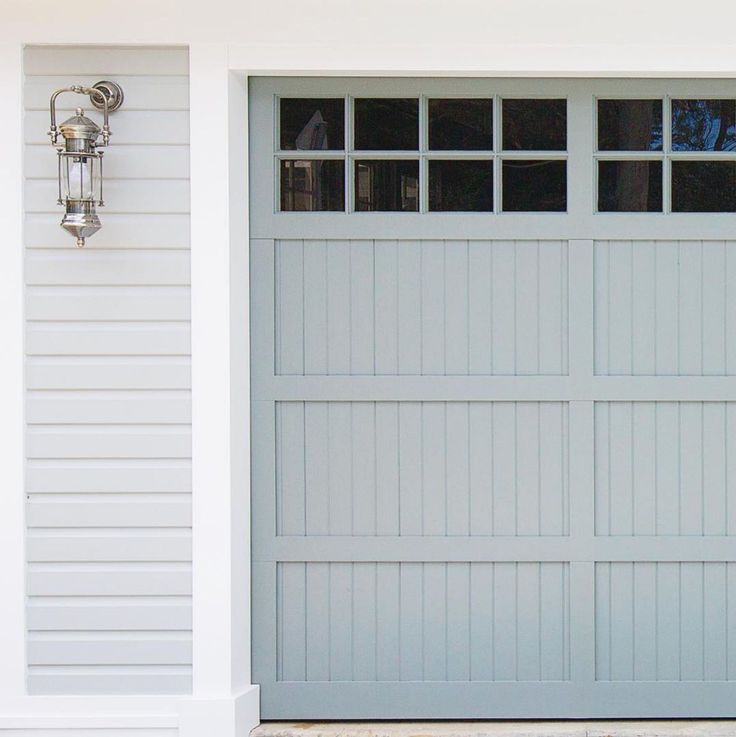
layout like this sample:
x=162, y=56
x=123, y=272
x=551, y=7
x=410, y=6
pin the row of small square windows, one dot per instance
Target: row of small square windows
x=527, y=184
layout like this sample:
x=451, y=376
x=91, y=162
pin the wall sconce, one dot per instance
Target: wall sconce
x=80, y=160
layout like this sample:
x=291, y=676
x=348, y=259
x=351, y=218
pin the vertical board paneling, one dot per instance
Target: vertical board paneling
x=108, y=476
x=664, y=308
x=664, y=621
x=662, y=468
x=423, y=621
x=421, y=307
x=422, y=468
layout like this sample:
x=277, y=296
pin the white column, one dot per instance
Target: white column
x=224, y=702
x=12, y=523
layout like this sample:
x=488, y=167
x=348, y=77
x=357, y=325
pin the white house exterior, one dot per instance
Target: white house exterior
x=247, y=454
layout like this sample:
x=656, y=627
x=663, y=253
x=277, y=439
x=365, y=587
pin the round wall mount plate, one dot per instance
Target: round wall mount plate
x=112, y=90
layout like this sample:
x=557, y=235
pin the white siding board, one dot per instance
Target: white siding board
x=108, y=339
x=120, y=476
x=119, y=616
x=107, y=303
x=145, y=230
x=159, y=163
x=120, y=511
x=105, y=441
x=101, y=545
x=81, y=373
x=88, y=650
x=121, y=196
x=149, y=92
x=130, y=128
x=98, y=60
x=108, y=382
x=145, y=580
x=68, y=680
x=114, y=408
x=113, y=268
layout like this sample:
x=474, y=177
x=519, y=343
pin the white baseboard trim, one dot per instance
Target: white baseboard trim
x=234, y=717
x=186, y=716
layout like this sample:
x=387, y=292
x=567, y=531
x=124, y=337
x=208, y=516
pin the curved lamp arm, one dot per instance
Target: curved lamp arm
x=90, y=92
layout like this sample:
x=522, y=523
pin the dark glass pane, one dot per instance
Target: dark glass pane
x=312, y=124
x=704, y=125
x=704, y=186
x=461, y=125
x=630, y=125
x=461, y=185
x=535, y=185
x=630, y=186
x=312, y=185
x=387, y=186
x=386, y=124
x=535, y=125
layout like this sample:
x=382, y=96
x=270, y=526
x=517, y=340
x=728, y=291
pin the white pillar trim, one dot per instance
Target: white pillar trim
x=12, y=430
x=222, y=693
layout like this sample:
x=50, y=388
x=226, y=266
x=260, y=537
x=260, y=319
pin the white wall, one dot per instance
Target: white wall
x=108, y=401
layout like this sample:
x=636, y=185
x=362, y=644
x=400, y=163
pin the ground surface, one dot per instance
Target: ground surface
x=683, y=728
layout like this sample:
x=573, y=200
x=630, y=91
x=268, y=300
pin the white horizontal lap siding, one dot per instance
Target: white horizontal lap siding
x=108, y=389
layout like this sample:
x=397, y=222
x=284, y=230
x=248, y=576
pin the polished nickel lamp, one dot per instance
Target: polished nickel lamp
x=80, y=160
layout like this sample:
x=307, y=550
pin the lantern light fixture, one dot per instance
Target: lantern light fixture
x=80, y=157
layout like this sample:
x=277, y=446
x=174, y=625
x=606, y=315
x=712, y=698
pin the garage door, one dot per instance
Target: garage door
x=494, y=397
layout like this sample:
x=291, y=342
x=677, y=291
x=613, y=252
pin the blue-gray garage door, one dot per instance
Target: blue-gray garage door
x=494, y=431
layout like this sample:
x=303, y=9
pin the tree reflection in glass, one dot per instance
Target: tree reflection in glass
x=629, y=125
x=704, y=125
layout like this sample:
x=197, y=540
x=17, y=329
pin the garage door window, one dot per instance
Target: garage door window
x=687, y=164
x=483, y=154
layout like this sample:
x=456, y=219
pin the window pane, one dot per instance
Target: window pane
x=461, y=185
x=534, y=185
x=704, y=125
x=630, y=186
x=630, y=125
x=535, y=125
x=387, y=186
x=704, y=186
x=386, y=124
x=312, y=185
x=461, y=125
x=312, y=124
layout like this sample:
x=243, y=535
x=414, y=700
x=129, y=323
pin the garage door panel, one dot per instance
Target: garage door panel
x=664, y=621
x=519, y=618
x=662, y=468
x=366, y=307
x=382, y=468
x=665, y=308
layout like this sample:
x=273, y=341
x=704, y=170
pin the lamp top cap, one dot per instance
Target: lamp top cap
x=80, y=126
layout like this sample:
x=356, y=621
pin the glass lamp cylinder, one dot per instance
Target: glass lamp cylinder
x=80, y=191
